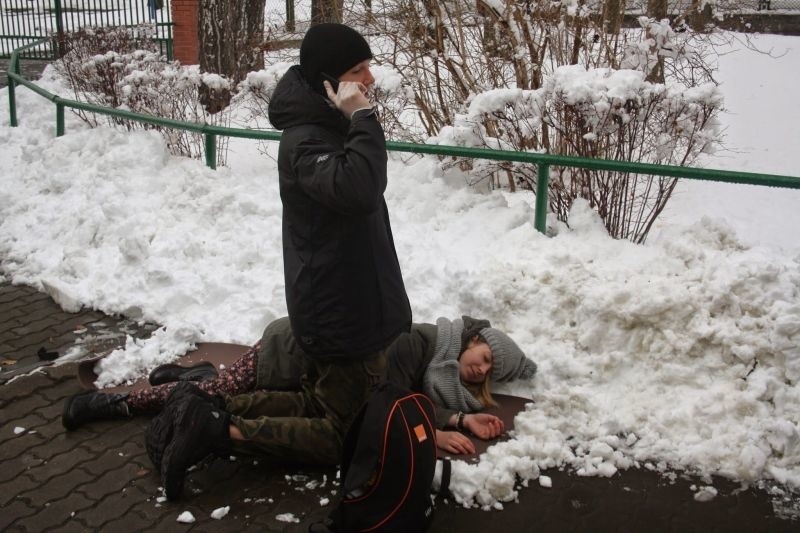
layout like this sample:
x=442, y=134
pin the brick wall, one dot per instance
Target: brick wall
x=186, y=47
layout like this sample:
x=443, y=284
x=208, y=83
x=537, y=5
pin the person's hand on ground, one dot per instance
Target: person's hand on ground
x=454, y=442
x=483, y=425
x=350, y=97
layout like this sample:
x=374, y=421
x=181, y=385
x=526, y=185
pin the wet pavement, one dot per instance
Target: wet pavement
x=98, y=478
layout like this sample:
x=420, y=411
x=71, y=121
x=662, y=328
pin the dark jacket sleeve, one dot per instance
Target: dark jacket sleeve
x=350, y=180
x=408, y=357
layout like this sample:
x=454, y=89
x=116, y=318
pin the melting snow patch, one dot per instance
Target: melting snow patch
x=545, y=481
x=705, y=494
x=219, y=514
x=186, y=518
x=18, y=430
x=287, y=517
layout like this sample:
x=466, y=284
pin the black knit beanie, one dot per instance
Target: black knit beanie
x=333, y=49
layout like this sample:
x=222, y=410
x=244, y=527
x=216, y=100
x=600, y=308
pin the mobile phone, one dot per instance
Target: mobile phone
x=333, y=81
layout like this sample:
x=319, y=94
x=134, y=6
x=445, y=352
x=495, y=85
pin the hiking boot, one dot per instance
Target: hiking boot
x=91, y=406
x=199, y=428
x=171, y=372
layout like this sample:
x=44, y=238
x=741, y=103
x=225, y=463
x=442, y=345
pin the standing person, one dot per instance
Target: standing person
x=344, y=289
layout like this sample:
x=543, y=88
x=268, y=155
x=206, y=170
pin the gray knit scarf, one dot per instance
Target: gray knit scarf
x=441, y=381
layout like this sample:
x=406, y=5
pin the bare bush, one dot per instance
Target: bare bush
x=456, y=53
x=121, y=68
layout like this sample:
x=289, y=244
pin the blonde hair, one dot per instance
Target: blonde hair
x=483, y=392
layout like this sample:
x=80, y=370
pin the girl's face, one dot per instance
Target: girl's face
x=475, y=363
x=359, y=74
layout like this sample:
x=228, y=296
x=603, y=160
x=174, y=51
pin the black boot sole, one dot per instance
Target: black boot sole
x=171, y=372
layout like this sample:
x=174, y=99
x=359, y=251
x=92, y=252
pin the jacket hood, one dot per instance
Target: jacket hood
x=294, y=103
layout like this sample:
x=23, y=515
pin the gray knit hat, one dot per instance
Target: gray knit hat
x=509, y=363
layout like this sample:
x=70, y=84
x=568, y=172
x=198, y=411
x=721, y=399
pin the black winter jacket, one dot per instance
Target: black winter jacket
x=344, y=289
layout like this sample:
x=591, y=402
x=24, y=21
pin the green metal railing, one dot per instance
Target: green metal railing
x=543, y=161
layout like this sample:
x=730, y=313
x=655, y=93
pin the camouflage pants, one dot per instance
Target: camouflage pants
x=307, y=425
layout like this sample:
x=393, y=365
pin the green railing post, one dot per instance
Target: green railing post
x=12, y=103
x=290, y=15
x=211, y=151
x=12, y=93
x=59, y=119
x=540, y=214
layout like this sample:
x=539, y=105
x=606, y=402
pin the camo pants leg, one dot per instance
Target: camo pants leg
x=306, y=426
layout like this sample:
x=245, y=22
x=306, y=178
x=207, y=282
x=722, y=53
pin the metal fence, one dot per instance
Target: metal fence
x=761, y=7
x=25, y=21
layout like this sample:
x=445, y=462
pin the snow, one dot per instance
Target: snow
x=681, y=353
x=705, y=494
x=287, y=517
x=220, y=513
x=185, y=518
x=18, y=430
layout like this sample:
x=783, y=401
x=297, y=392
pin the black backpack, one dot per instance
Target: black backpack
x=388, y=464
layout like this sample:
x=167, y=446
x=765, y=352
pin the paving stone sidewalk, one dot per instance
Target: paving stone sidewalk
x=99, y=478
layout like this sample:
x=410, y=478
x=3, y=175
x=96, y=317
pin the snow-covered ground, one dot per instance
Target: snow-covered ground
x=679, y=353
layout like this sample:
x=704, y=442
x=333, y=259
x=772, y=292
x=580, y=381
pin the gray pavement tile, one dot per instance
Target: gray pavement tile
x=52, y=413
x=132, y=521
x=7, y=323
x=16, y=487
x=74, y=525
x=57, y=487
x=59, y=464
x=113, y=434
x=65, y=372
x=20, y=388
x=15, y=511
x=24, y=406
x=114, y=458
x=112, y=481
x=18, y=444
x=23, y=463
x=111, y=507
x=55, y=513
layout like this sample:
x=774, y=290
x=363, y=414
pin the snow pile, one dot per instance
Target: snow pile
x=682, y=354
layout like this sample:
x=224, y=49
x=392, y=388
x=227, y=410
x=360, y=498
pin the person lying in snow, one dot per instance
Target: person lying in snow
x=266, y=402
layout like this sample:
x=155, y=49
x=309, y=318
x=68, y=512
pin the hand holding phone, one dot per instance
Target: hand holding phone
x=348, y=96
x=330, y=79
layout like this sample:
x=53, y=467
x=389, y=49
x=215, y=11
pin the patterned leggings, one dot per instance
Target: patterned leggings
x=239, y=378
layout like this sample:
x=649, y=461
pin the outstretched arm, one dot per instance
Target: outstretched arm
x=454, y=442
x=482, y=425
